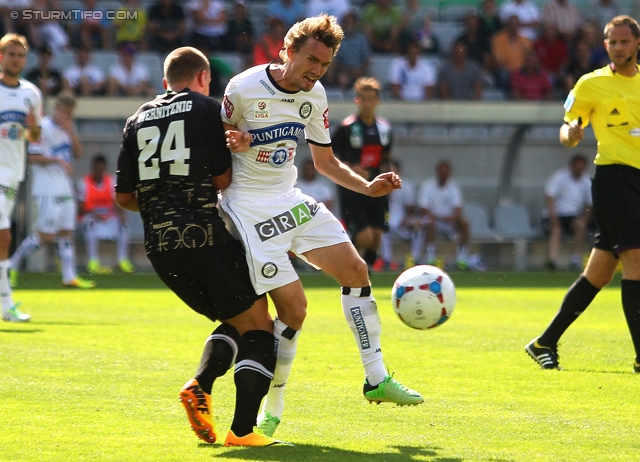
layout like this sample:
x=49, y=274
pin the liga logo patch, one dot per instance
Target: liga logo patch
x=291, y=219
x=261, y=109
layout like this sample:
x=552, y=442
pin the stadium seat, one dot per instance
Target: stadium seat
x=380, y=67
x=454, y=13
x=446, y=32
x=469, y=132
x=478, y=219
x=429, y=131
x=512, y=222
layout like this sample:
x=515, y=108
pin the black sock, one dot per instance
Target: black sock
x=370, y=256
x=218, y=356
x=254, y=371
x=631, y=307
x=576, y=300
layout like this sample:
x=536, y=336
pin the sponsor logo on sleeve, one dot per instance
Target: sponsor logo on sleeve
x=228, y=107
x=325, y=118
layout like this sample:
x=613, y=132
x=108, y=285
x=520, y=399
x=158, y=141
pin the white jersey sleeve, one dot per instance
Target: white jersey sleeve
x=52, y=179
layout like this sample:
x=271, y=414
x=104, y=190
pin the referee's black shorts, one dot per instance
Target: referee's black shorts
x=616, y=204
x=213, y=281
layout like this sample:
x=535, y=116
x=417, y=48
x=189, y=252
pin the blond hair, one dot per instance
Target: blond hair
x=323, y=28
x=13, y=39
x=367, y=84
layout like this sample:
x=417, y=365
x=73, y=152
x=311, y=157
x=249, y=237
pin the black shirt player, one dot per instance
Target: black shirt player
x=172, y=161
x=363, y=141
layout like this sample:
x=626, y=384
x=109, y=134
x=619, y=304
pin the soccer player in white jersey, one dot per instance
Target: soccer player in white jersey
x=20, y=118
x=265, y=110
x=53, y=192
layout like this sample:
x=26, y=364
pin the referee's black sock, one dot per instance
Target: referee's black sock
x=218, y=356
x=576, y=300
x=631, y=307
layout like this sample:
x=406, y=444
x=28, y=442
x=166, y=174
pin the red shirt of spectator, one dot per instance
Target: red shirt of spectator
x=530, y=83
x=551, y=50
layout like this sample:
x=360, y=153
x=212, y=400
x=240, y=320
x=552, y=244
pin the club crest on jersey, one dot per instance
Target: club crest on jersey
x=277, y=158
x=269, y=270
x=27, y=103
x=228, y=107
x=305, y=110
x=261, y=109
x=286, y=221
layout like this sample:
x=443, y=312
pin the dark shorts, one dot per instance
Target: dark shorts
x=213, y=281
x=360, y=212
x=616, y=204
x=566, y=224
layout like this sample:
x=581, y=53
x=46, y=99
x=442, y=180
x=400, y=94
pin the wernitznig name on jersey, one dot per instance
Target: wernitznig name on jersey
x=165, y=111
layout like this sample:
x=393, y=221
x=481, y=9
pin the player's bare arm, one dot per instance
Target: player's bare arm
x=223, y=181
x=328, y=165
x=128, y=201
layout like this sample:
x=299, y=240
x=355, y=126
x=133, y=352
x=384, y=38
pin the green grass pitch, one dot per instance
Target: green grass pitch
x=95, y=377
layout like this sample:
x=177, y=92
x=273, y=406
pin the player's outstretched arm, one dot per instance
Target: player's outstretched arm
x=128, y=201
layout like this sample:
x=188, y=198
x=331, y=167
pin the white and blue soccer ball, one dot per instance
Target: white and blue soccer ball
x=423, y=297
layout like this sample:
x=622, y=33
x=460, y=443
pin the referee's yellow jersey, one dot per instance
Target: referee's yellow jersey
x=611, y=103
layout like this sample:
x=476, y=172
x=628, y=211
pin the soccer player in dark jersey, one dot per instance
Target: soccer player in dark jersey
x=609, y=99
x=363, y=142
x=172, y=162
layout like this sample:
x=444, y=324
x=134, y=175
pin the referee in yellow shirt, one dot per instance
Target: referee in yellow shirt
x=609, y=99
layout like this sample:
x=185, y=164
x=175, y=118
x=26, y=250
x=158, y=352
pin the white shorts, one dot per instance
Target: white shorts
x=55, y=214
x=270, y=229
x=7, y=204
x=108, y=229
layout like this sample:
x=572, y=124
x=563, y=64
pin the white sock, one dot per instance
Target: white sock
x=26, y=248
x=67, y=255
x=386, y=247
x=361, y=312
x=123, y=244
x=91, y=241
x=462, y=253
x=285, y=352
x=431, y=252
x=5, y=289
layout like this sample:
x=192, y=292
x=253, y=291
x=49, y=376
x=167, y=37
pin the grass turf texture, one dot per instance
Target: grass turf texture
x=95, y=377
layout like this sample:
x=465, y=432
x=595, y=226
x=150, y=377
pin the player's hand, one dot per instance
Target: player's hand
x=383, y=184
x=30, y=119
x=576, y=132
x=64, y=121
x=238, y=141
x=66, y=166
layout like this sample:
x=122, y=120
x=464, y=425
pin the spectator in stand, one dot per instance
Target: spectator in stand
x=353, y=57
x=83, y=79
x=489, y=17
x=427, y=39
x=528, y=14
x=552, y=53
x=460, y=78
x=567, y=197
x=403, y=224
x=601, y=11
x=531, y=83
x=128, y=78
x=381, y=22
x=289, y=11
x=579, y=65
x=167, y=26
x=337, y=8
x=478, y=47
x=564, y=16
x=590, y=34
x=439, y=204
x=131, y=28
x=411, y=78
x=92, y=31
x=413, y=15
x=102, y=219
x=209, y=23
x=18, y=24
x=267, y=48
x=508, y=49
x=48, y=31
x=48, y=80
x=239, y=36
x=313, y=185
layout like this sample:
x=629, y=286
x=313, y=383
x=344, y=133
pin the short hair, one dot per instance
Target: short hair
x=367, y=84
x=99, y=159
x=66, y=99
x=578, y=158
x=184, y=64
x=323, y=28
x=623, y=20
x=13, y=39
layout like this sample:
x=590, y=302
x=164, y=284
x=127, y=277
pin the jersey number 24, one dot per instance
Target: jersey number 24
x=148, y=138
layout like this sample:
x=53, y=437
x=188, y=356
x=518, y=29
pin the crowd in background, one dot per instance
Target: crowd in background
x=527, y=51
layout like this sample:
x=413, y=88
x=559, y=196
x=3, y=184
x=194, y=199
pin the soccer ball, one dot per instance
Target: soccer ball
x=423, y=297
